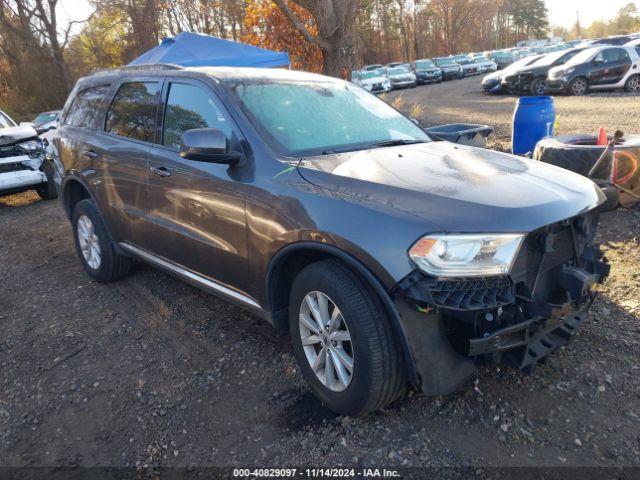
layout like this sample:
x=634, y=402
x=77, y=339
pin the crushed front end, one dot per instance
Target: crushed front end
x=21, y=160
x=517, y=318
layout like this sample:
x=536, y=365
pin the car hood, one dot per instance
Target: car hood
x=459, y=188
x=372, y=81
x=450, y=67
x=428, y=70
x=402, y=76
x=13, y=135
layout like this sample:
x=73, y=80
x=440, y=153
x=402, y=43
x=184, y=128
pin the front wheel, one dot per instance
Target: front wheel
x=578, y=86
x=537, y=87
x=343, y=340
x=47, y=190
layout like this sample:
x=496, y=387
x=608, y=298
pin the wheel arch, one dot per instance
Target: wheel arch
x=291, y=259
x=74, y=189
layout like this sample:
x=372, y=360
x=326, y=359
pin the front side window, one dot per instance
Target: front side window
x=132, y=113
x=190, y=107
x=85, y=107
x=309, y=118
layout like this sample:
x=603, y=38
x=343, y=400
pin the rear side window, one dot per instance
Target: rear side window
x=190, y=107
x=132, y=113
x=613, y=55
x=84, y=111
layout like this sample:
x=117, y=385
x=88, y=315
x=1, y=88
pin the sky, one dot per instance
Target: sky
x=561, y=12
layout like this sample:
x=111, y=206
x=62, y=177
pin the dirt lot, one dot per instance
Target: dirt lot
x=150, y=372
x=462, y=102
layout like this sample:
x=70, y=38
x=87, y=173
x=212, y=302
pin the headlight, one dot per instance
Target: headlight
x=466, y=255
x=30, y=146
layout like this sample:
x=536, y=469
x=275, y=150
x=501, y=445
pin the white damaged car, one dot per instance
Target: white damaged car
x=374, y=81
x=23, y=165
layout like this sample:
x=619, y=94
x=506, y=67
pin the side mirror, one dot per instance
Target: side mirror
x=207, y=145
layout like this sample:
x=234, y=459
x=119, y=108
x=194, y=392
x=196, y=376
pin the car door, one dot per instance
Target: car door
x=197, y=208
x=120, y=152
x=620, y=64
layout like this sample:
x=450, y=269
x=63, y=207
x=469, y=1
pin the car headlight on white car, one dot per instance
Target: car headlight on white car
x=466, y=255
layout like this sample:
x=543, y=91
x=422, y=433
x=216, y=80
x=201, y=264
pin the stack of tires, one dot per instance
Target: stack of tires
x=579, y=153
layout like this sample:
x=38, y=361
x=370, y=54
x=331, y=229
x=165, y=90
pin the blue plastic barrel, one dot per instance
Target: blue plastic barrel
x=533, y=119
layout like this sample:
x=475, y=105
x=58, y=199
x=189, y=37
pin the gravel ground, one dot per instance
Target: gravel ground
x=462, y=101
x=149, y=372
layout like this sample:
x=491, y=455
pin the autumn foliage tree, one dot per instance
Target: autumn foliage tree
x=266, y=26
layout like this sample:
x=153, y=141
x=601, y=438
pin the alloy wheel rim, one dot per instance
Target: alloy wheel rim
x=326, y=341
x=539, y=88
x=579, y=87
x=634, y=84
x=89, y=243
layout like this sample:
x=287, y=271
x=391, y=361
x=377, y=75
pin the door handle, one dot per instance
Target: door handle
x=161, y=171
x=90, y=154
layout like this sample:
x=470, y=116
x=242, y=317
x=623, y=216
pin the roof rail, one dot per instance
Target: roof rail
x=149, y=66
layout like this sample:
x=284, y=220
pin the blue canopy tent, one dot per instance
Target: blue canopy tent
x=197, y=50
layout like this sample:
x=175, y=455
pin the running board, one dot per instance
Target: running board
x=192, y=277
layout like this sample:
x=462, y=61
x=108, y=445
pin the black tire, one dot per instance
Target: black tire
x=579, y=154
x=632, y=85
x=112, y=265
x=47, y=191
x=378, y=376
x=578, y=86
x=537, y=86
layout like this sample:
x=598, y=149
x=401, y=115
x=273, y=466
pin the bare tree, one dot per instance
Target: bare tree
x=335, y=21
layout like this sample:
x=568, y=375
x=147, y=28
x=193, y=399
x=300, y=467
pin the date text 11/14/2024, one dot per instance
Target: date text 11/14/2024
x=315, y=473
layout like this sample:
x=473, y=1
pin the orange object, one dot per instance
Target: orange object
x=602, y=137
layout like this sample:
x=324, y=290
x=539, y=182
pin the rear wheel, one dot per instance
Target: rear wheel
x=633, y=84
x=94, y=245
x=343, y=340
x=578, y=86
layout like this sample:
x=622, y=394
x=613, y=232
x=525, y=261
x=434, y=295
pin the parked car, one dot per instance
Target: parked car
x=373, y=81
x=531, y=79
x=615, y=40
x=368, y=68
x=46, y=120
x=426, y=71
x=502, y=58
x=22, y=160
x=597, y=68
x=468, y=65
x=492, y=83
x=230, y=179
x=401, y=77
x=484, y=64
x=449, y=67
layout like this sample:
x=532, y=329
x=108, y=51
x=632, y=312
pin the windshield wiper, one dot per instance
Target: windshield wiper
x=383, y=143
x=393, y=143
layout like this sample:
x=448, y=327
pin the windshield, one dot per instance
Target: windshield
x=445, y=62
x=368, y=75
x=5, y=121
x=425, y=64
x=523, y=62
x=398, y=71
x=310, y=118
x=583, y=57
x=44, y=118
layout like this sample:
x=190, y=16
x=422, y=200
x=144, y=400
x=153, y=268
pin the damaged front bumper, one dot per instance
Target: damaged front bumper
x=20, y=172
x=519, y=319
